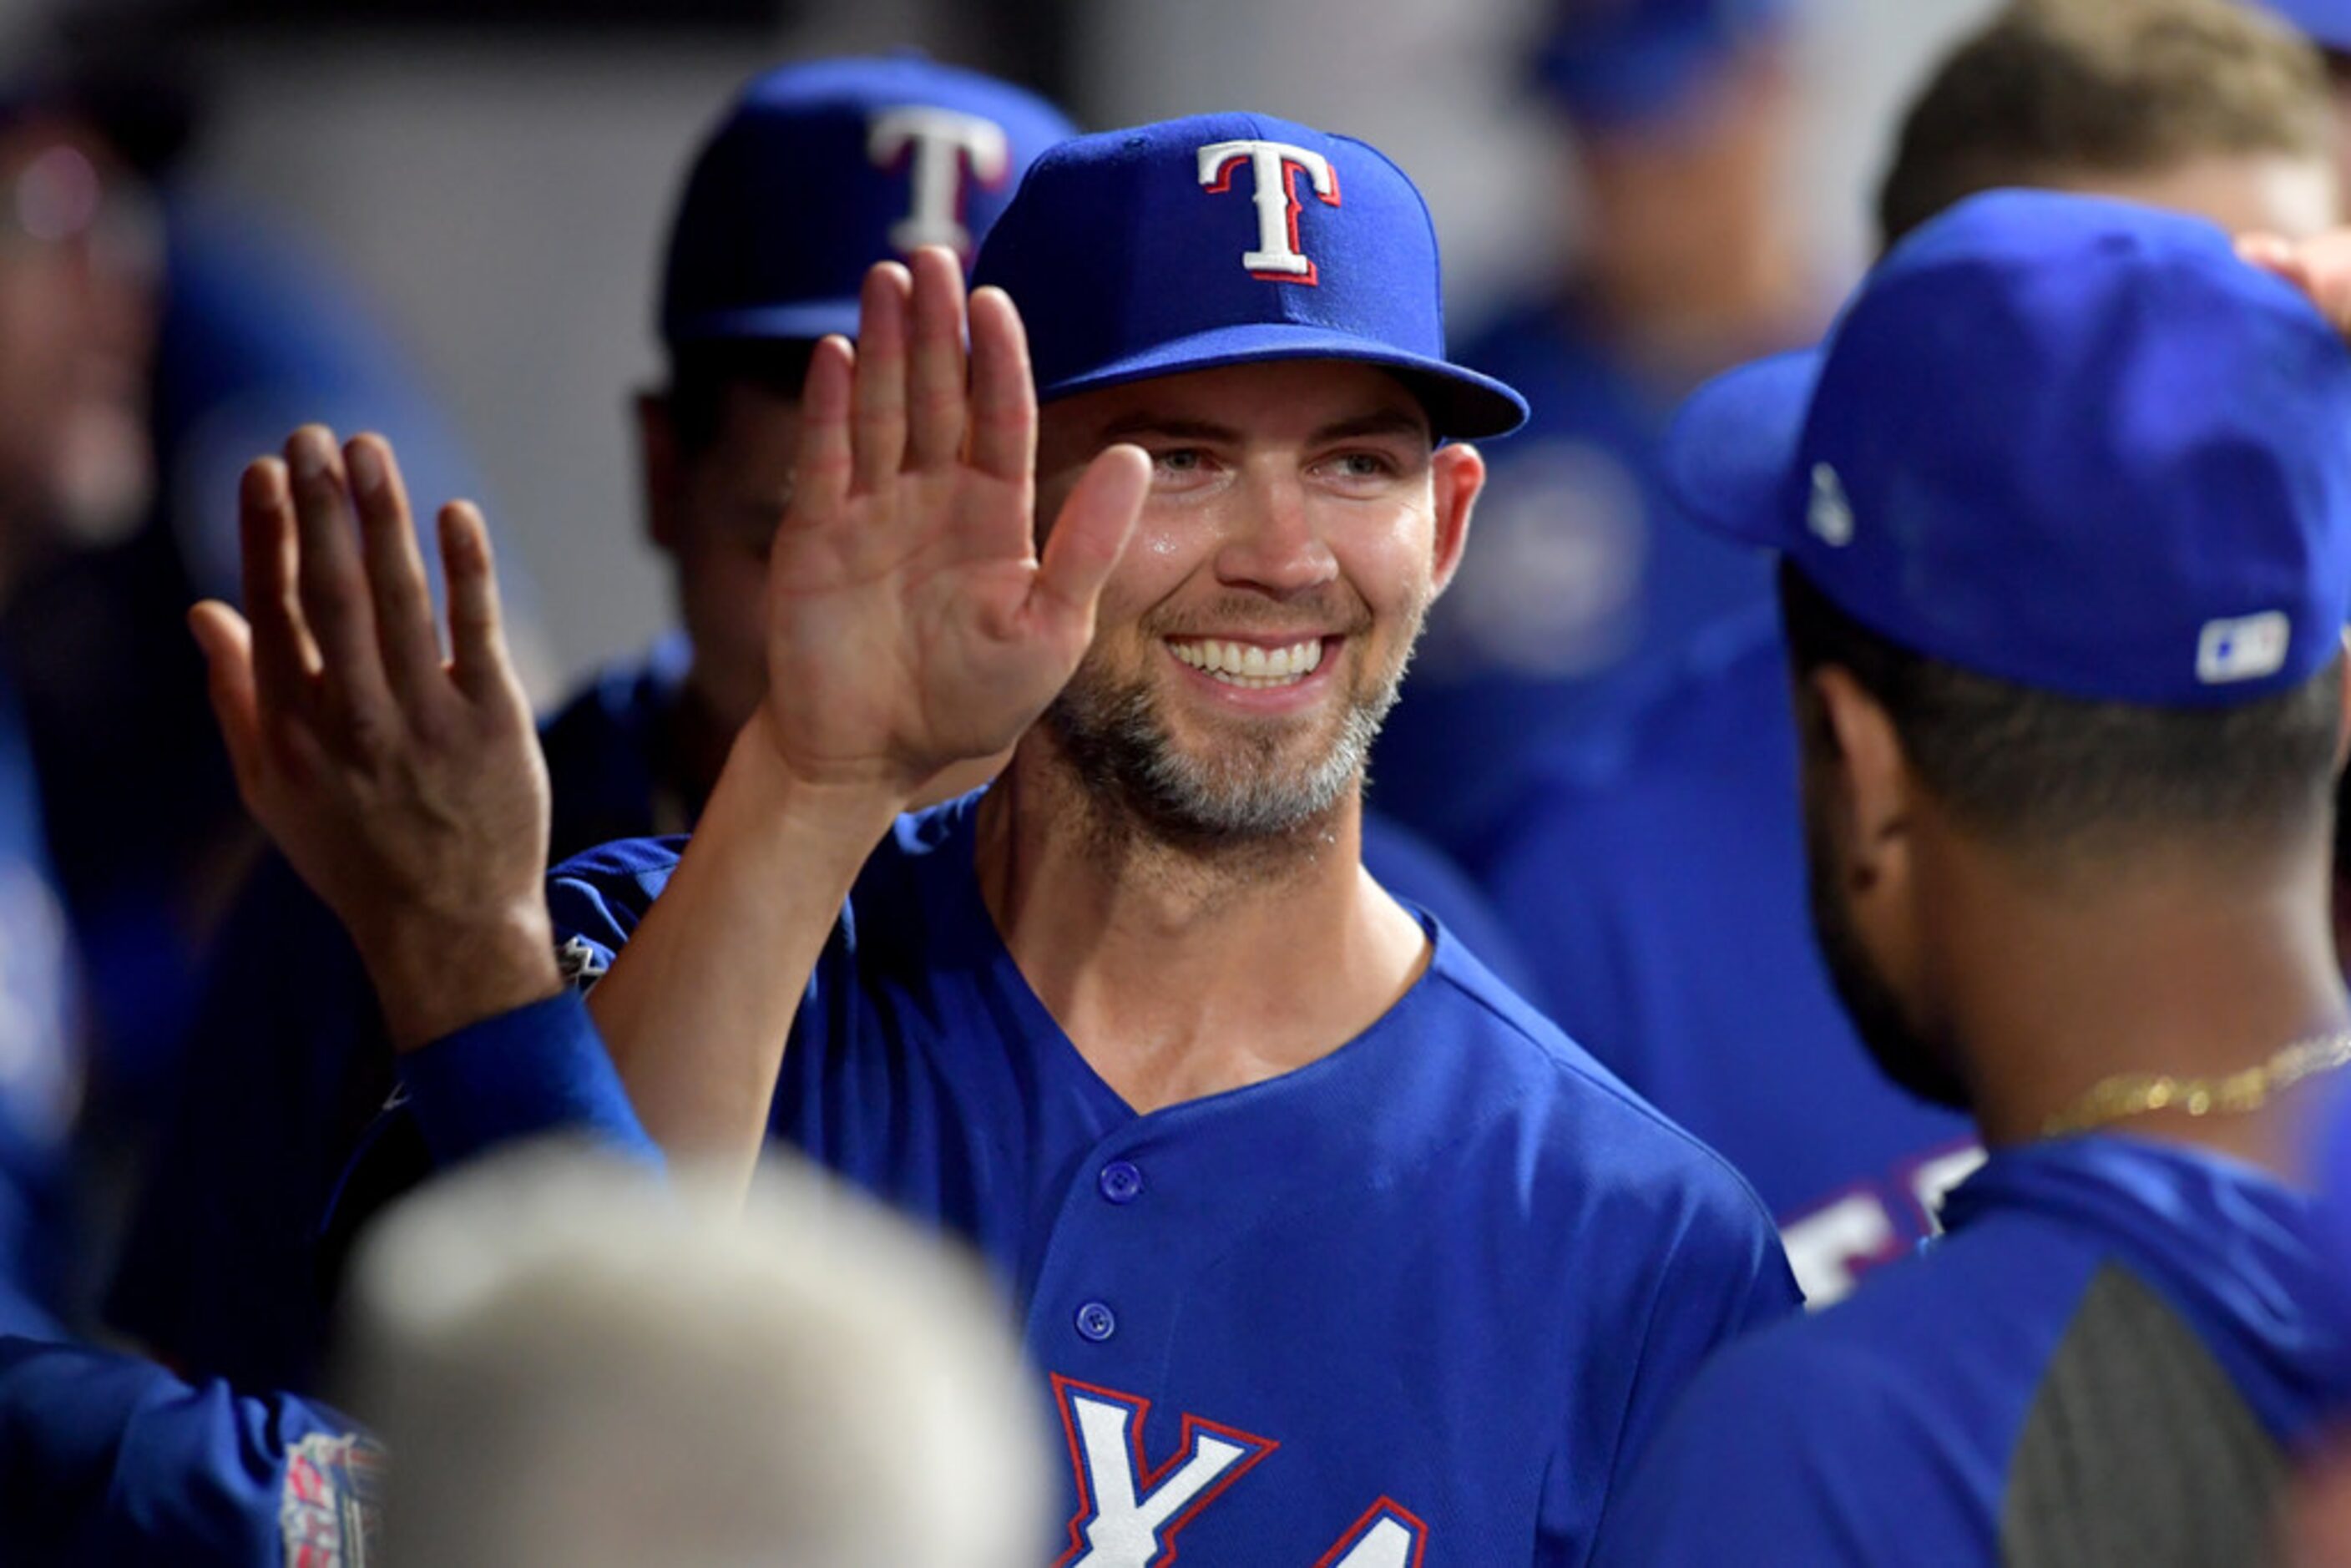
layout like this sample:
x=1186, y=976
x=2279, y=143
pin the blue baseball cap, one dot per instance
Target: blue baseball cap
x=2072, y=443
x=2326, y=23
x=1229, y=239
x=819, y=170
x=1626, y=62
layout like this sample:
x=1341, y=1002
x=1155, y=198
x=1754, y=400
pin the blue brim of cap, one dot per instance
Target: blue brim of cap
x=1461, y=404
x=800, y=321
x=1730, y=450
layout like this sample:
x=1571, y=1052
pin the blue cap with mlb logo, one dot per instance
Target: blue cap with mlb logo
x=2071, y=442
x=1227, y=239
x=819, y=170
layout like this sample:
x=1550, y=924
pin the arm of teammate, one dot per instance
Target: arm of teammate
x=913, y=625
x=407, y=789
x=113, y=1460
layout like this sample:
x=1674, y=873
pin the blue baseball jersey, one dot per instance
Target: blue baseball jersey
x=288, y=1063
x=41, y=1059
x=111, y=1460
x=1580, y=585
x=1416, y=1303
x=2112, y=1357
x=1661, y=875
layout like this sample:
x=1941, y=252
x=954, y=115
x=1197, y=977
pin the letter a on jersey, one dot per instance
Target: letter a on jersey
x=1274, y=167
x=941, y=147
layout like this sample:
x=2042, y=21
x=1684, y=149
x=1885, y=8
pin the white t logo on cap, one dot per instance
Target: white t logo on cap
x=2244, y=649
x=1275, y=167
x=945, y=145
x=1830, y=516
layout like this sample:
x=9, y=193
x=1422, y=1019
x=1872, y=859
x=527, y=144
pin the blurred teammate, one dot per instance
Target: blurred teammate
x=1661, y=875
x=1330, y=1248
x=569, y=1361
x=2068, y=642
x=1689, y=259
x=78, y=263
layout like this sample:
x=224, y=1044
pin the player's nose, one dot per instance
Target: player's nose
x=1270, y=542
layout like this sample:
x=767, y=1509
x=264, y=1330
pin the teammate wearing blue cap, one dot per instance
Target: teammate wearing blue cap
x=1330, y=1250
x=1661, y=873
x=1680, y=115
x=2068, y=644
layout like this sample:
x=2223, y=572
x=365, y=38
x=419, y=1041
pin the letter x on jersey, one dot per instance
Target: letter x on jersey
x=1274, y=166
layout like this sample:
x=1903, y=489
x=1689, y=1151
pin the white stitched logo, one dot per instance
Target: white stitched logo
x=2244, y=649
x=1274, y=167
x=944, y=146
x=1830, y=516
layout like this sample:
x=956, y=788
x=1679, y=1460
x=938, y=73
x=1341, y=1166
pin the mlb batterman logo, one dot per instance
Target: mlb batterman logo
x=941, y=148
x=1274, y=168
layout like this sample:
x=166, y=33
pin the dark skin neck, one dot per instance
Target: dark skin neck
x=2198, y=964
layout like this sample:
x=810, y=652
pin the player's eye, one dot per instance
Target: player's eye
x=1179, y=460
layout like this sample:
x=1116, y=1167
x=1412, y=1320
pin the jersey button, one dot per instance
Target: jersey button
x=1096, y=1322
x=1122, y=1181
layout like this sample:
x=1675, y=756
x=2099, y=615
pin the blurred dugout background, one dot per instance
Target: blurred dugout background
x=495, y=176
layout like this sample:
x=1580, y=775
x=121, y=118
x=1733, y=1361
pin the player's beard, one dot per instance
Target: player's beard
x=1901, y=1052
x=1250, y=786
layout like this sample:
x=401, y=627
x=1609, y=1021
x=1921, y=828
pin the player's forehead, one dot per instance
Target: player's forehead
x=1272, y=401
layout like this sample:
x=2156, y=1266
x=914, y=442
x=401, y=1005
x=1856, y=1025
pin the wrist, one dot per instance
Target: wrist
x=760, y=774
x=435, y=976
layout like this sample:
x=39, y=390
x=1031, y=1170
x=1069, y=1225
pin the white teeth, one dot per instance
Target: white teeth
x=1247, y=665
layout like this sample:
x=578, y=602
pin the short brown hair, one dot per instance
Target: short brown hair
x=2102, y=86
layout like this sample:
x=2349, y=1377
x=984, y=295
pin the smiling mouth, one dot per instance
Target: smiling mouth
x=1247, y=665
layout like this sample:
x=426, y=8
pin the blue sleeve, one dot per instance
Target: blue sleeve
x=539, y=1069
x=111, y=1460
x=543, y=1068
x=1792, y=1449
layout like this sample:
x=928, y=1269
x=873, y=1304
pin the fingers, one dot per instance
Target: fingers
x=395, y=570
x=822, y=469
x=477, y=649
x=331, y=580
x=880, y=408
x=1091, y=532
x=231, y=676
x=284, y=657
x=937, y=396
x=1003, y=396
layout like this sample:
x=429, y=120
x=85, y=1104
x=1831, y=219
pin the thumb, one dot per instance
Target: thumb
x=1091, y=534
x=227, y=645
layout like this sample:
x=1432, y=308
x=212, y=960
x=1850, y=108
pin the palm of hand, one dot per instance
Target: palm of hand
x=911, y=623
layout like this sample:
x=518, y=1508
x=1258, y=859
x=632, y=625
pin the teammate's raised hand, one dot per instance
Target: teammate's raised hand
x=911, y=623
x=407, y=789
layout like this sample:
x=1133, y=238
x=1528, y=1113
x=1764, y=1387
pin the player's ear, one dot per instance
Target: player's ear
x=1456, y=475
x=1869, y=784
x=658, y=464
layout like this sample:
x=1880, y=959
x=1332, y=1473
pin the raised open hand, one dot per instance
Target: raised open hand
x=409, y=792
x=911, y=623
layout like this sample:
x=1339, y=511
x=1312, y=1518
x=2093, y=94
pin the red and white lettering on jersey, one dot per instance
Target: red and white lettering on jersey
x=1832, y=1244
x=1274, y=168
x=942, y=149
x=326, y=1503
x=1130, y=1515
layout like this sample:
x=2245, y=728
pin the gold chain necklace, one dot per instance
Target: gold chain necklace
x=2233, y=1095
